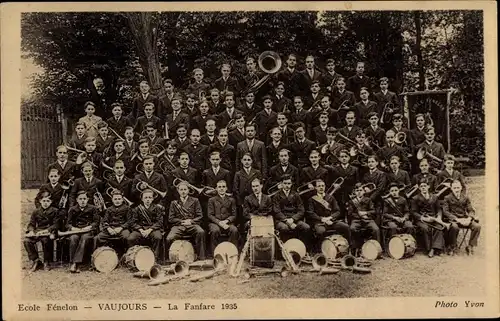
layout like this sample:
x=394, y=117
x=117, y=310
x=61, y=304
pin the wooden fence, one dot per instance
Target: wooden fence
x=41, y=133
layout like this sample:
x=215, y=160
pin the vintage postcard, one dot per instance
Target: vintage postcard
x=249, y=160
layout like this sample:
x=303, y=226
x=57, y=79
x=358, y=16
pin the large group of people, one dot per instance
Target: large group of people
x=319, y=153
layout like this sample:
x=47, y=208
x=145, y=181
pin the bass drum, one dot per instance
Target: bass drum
x=104, y=259
x=334, y=246
x=262, y=246
x=139, y=258
x=181, y=250
x=297, y=247
x=402, y=246
x=371, y=250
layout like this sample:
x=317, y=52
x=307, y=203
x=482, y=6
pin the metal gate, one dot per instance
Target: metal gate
x=41, y=133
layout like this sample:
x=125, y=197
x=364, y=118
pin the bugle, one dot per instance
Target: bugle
x=335, y=186
x=140, y=188
x=305, y=188
x=423, y=152
x=273, y=190
x=99, y=201
x=109, y=191
x=345, y=138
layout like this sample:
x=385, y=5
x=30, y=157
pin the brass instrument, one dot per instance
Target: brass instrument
x=409, y=194
x=304, y=188
x=106, y=166
x=231, y=125
x=273, y=190
x=178, y=181
x=184, y=213
x=165, y=163
x=319, y=261
x=158, y=192
x=369, y=187
x=99, y=201
x=139, y=168
x=423, y=152
x=110, y=189
x=270, y=63
x=159, y=149
x=335, y=186
x=401, y=188
x=343, y=106
x=67, y=183
x=385, y=117
x=345, y=138
x=362, y=157
x=64, y=198
x=371, y=142
x=79, y=151
x=436, y=223
x=166, y=131
x=107, y=175
x=400, y=138
x=446, y=186
x=64, y=233
x=115, y=133
x=285, y=109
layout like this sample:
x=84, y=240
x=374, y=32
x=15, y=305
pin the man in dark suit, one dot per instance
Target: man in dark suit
x=283, y=168
x=384, y=97
x=215, y=103
x=255, y=147
x=281, y=103
x=287, y=133
x=67, y=169
x=215, y=173
x=330, y=77
x=102, y=97
x=184, y=172
x=375, y=132
x=176, y=117
x=166, y=101
x=342, y=100
x=301, y=148
x=86, y=183
x=198, y=153
x=312, y=100
x=364, y=107
x=266, y=119
x=227, y=82
x=221, y=213
x=290, y=77
x=117, y=122
x=377, y=177
x=227, y=151
x=119, y=181
x=185, y=216
x=299, y=114
x=350, y=130
x=308, y=76
x=143, y=98
x=324, y=214
x=199, y=87
x=230, y=112
x=237, y=135
x=256, y=203
x=151, y=178
x=359, y=80
x=392, y=149
x=249, y=108
x=289, y=213
x=242, y=186
x=147, y=118
x=199, y=121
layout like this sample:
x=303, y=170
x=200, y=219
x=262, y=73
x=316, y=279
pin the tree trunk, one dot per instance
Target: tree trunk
x=418, y=51
x=143, y=26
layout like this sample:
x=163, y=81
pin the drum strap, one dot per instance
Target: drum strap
x=144, y=213
x=324, y=203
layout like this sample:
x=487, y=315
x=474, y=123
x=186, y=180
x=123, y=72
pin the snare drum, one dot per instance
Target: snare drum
x=402, y=246
x=139, y=258
x=334, y=246
x=371, y=250
x=262, y=241
x=181, y=250
x=104, y=259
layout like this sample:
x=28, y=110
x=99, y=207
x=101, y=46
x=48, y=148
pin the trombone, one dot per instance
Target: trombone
x=141, y=182
x=306, y=188
x=110, y=190
x=370, y=141
x=115, y=133
x=385, y=117
x=178, y=181
x=335, y=186
x=343, y=106
x=401, y=188
x=273, y=190
x=361, y=156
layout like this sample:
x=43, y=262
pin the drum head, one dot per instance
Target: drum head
x=295, y=245
x=397, y=248
x=371, y=250
x=181, y=250
x=341, y=243
x=227, y=250
x=329, y=249
x=144, y=259
x=105, y=260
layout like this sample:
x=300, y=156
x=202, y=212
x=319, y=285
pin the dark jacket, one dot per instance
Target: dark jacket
x=220, y=209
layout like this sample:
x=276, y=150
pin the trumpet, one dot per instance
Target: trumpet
x=361, y=156
x=347, y=139
x=303, y=189
x=166, y=165
x=400, y=138
x=371, y=142
x=273, y=190
x=335, y=186
x=385, y=117
x=110, y=190
x=141, y=182
x=231, y=125
x=423, y=152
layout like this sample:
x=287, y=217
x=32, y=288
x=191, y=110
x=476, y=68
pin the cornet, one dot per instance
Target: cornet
x=371, y=142
x=110, y=190
x=99, y=201
x=67, y=183
x=141, y=182
x=369, y=187
x=409, y=194
x=335, y=186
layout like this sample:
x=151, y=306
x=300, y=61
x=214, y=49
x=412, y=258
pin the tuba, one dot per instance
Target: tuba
x=270, y=63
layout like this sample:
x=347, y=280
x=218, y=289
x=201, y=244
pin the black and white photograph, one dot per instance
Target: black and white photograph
x=196, y=155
